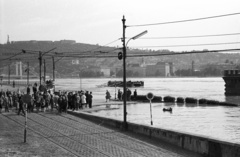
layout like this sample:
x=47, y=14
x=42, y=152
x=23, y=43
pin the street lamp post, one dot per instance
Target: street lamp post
x=44, y=70
x=27, y=73
x=40, y=67
x=124, y=77
x=124, y=71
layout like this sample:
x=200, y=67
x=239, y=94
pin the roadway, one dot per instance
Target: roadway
x=53, y=134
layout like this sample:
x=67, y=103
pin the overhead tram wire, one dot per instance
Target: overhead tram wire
x=183, y=53
x=156, y=54
x=186, y=45
x=17, y=54
x=84, y=55
x=181, y=21
x=194, y=36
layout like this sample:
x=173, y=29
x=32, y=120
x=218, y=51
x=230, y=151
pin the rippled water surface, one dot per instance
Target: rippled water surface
x=213, y=121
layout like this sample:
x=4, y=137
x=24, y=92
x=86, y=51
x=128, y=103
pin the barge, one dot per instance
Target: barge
x=129, y=83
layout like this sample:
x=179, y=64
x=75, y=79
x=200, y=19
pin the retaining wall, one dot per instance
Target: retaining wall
x=203, y=145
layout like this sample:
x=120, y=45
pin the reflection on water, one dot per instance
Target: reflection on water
x=214, y=121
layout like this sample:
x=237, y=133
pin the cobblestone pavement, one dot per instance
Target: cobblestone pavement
x=51, y=134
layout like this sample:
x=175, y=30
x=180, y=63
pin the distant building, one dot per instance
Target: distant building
x=142, y=69
x=106, y=71
x=67, y=41
x=222, y=66
x=159, y=69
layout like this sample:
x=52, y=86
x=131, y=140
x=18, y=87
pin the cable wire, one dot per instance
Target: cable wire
x=194, y=36
x=155, y=54
x=187, y=45
x=181, y=21
x=182, y=53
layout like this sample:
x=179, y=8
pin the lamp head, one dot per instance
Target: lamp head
x=139, y=35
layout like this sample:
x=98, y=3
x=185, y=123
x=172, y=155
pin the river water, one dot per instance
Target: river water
x=217, y=122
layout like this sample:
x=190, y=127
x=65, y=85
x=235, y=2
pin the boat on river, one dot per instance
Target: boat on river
x=129, y=83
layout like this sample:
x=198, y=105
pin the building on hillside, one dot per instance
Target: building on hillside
x=222, y=66
x=67, y=41
x=164, y=69
x=159, y=69
x=105, y=71
x=137, y=69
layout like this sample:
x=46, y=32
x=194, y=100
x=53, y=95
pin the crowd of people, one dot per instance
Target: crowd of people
x=41, y=101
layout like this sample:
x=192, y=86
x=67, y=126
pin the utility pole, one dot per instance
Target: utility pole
x=44, y=76
x=27, y=73
x=53, y=68
x=53, y=73
x=124, y=77
x=40, y=67
x=9, y=72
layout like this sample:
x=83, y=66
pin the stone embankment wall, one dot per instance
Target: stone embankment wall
x=187, y=100
x=203, y=145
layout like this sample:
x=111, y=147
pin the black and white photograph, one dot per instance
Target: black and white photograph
x=119, y=78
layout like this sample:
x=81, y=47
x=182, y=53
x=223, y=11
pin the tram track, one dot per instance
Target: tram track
x=115, y=137
x=97, y=143
x=55, y=139
x=81, y=137
x=22, y=125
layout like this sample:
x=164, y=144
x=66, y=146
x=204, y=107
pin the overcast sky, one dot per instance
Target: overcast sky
x=100, y=21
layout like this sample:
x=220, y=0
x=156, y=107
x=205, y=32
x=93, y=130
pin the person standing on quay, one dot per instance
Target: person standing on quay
x=108, y=96
x=60, y=105
x=87, y=94
x=78, y=99
x=28, y=89
x=65, y=104
x=135, y=94
x=129, y=93
x=90, y=100
x=83, y=99
x=1, y=103
x=6, y=103
x=21, y=108
x=119, y=95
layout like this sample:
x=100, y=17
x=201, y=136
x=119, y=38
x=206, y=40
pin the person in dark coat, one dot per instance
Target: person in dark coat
x=87, y=94
x=21, y=107
x=119, y=95
x=28, y=89
x=108, y=96
x=34, y=88
x=64, y=104
x=60, y=105
x=135, y=94
x=129, y=93
x=90, y=100
x=1, y=103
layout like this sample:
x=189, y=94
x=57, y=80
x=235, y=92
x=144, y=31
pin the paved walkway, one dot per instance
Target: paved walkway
x=51, y=134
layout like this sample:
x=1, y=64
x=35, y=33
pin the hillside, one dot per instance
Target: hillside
x=64, y=67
